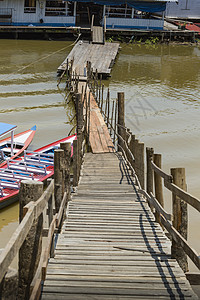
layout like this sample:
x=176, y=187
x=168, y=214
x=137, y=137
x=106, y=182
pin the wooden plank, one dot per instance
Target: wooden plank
x=110, y=246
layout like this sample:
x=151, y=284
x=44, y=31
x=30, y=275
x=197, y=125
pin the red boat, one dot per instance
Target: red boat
x=34, y=165
x=13, y=146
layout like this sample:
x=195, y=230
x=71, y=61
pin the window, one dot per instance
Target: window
x=30, y=6
x=55, y=8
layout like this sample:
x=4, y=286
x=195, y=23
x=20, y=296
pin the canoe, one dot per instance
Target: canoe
x=13, y=146
x=35, y=165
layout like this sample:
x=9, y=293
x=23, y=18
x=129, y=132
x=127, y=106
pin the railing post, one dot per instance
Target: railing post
x=66, y=166
x=9, y=285
x=75, y=162
x=58, y=177
x=30, y=251
x=149, y=178
x=180, y=217
x=79, y=112
x=132, y=149
x=141, y=164
x=158, y=184
x=121, y=119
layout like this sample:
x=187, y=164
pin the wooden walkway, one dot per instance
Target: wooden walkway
x=84, y=51
x=100, y=140
x=97, y=35
x=99, y=137
x=110, y=246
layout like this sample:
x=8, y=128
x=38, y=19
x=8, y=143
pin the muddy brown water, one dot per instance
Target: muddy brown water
x=161, y=85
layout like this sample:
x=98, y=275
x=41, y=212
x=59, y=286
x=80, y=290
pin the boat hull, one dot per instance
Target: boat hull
x=10, y=195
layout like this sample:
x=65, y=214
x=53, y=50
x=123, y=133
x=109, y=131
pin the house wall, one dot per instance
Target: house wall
x=184, y=9
x=21, y=18
x=134, y=23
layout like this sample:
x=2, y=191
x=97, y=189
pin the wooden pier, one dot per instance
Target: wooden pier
x=85, y=51
x=110, y=246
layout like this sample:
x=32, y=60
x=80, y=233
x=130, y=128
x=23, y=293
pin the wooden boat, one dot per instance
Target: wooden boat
x=13, y=146
x=34, y=165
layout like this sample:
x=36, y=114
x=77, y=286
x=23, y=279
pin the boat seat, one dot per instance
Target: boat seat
x=32, y=167
x=33, y=159
x=47, y=159
x=9, y=185
x=7, y=149
x=7, y=173
x=41, y=154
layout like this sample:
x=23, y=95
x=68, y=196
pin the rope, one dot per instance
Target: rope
x=40, y=59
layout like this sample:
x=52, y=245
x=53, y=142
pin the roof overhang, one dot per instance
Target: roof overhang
x=6, y=128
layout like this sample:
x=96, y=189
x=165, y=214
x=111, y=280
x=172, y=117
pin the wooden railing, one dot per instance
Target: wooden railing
x=27, y=241
x=133, y=151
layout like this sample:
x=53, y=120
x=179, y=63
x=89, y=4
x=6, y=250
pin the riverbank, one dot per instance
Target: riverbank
x=70, y=33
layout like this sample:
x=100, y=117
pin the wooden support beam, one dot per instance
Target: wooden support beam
x=158, y=184
x=121, y=117
x=180, y=220
x=149, y=178
x=30, y=251
x=58, y=177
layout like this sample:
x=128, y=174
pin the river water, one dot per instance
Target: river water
x=161, y=85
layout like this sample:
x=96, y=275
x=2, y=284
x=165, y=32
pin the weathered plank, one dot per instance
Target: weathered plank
x=84, y=51
x=110, y=246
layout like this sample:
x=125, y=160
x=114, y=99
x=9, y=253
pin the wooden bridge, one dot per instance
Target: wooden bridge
x=110, y=246
x=105, y=240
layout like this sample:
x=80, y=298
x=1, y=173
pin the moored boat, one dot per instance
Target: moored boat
x=35, y=165
x=14, y=145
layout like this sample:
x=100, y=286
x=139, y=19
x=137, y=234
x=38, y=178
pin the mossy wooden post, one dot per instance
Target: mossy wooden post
x=75, y=162
x=132, y=150
x=121, y=121
x=149, y=176
x=135, y=151
x=158, y=184
x=30, y=251
x=141, y=164
x=79, y=112
x=180, y=217
x=58, y=177
x=66, y=166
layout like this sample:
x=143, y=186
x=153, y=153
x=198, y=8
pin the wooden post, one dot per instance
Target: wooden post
x=115, y=122
x=75, y=163
x=108, y=113
x=111, y=121
x=102, y=91
x=79, y=146
x=58, y=177
x=30, y=251
x=149, y=178
x=121, y=122
x=66, y=166
x=132, y=148
x=9, y=285
x=141, y=164
x=50, y=204
x=180, y=217
x=79, y=112
x=158, y=184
